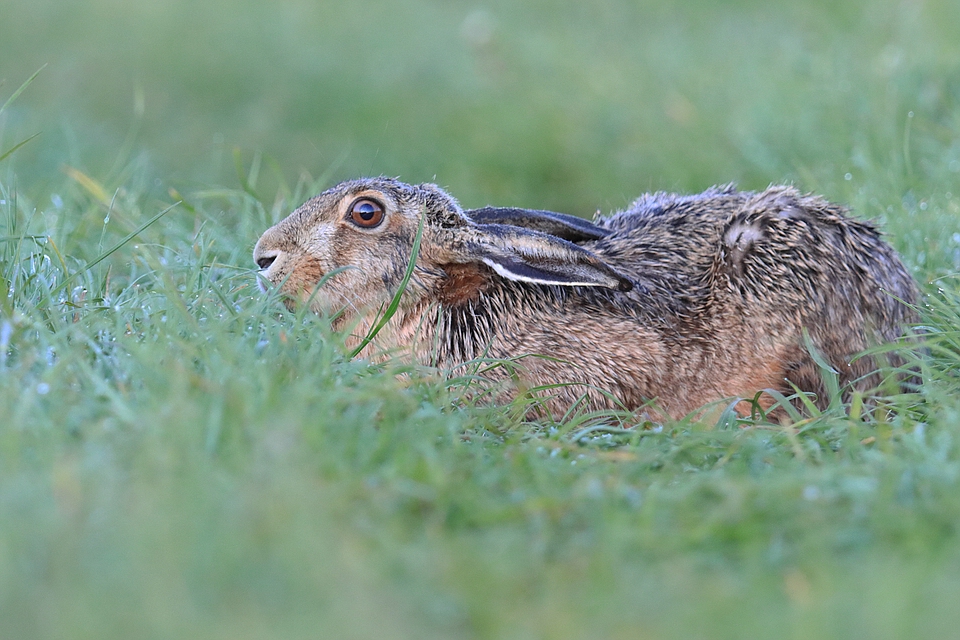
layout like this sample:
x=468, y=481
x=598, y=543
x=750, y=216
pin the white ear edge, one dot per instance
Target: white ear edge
x=510, y=275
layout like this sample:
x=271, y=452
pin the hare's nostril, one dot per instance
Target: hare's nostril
x=265, y=261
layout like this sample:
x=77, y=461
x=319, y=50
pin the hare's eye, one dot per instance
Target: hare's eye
x=366, y=213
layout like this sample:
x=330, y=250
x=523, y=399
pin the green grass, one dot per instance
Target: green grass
x=182, y=457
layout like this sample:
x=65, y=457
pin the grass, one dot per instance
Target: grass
x=183, y=457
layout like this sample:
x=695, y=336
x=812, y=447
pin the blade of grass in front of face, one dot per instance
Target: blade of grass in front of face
x=391, y=309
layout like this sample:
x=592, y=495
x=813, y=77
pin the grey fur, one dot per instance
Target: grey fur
x=723, y=285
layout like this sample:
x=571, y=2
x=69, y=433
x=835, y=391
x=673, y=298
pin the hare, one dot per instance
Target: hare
x=676, y=302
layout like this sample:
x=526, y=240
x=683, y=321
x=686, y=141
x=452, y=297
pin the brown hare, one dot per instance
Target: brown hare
x=677, y=301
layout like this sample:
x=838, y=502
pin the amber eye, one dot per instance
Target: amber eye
x=366, y=213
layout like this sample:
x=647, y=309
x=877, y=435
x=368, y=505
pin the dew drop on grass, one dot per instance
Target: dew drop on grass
x=5, y=332
x=57, y=201
x=848, y=177
x=43, y=389
x=633, y=496
x=919, y=432
x=811, y=492
x=594, y=488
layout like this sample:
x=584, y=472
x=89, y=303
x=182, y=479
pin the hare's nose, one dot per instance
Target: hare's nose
x=265, y=257
x=264, y=262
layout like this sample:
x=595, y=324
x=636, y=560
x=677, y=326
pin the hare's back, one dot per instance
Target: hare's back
x=801, y=251
x=775, y=251
x=673, y=233
x=670, y=243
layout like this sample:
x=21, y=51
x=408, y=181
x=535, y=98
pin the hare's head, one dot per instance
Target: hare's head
x=349, y=248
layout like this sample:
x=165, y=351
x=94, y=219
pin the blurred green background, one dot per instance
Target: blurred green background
x=569, y=105
x=181, y=457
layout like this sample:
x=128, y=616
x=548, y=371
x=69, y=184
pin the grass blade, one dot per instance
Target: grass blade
x=106, y=254
x=395, y=302
x=89, y=185
x=22, y=87
x=35, y=238
x=829, y=375
x=784, y=402
x=9, y=152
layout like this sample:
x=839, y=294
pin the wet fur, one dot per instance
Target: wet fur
x=725, y=283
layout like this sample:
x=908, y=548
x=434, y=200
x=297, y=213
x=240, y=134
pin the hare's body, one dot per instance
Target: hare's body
x=680, y=299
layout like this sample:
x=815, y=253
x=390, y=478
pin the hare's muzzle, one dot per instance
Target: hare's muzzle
x=262, y=282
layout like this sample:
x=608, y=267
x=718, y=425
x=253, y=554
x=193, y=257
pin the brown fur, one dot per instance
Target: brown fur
x=724, y=284
x=463, y=284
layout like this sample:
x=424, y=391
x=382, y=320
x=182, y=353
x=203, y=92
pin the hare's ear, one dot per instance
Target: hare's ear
x=520, y=254
x=559, y=225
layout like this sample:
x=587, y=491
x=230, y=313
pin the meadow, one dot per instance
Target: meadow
x=180, y=456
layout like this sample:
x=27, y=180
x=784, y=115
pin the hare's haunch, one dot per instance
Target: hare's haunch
x=680, y=300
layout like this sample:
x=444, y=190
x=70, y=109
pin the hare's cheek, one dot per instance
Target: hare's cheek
x=304, y=274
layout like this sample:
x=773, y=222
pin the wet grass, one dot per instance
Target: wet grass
x=182, y=457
